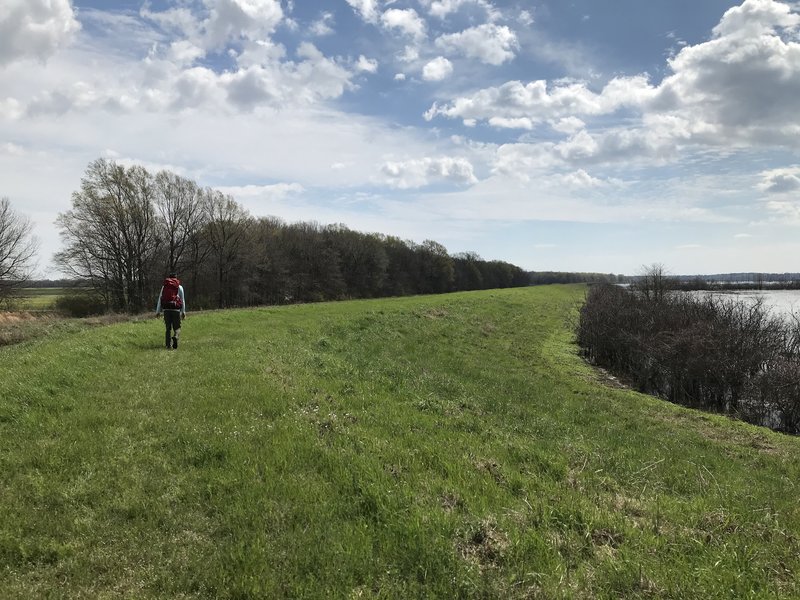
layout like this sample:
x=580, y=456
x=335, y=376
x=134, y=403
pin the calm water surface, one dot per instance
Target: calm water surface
x=780, y=302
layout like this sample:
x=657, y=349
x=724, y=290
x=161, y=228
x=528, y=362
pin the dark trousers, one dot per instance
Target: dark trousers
x=172, y=320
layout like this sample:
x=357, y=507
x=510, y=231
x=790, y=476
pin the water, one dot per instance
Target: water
x=780, y=302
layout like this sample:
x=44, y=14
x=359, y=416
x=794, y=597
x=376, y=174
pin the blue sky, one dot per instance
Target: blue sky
x=557, y=135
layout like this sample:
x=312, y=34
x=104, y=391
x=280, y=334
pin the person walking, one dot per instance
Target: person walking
x=172, y=302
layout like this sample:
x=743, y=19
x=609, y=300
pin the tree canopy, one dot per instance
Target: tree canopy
x=128, y=227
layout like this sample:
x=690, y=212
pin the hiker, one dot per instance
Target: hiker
x=171, y=300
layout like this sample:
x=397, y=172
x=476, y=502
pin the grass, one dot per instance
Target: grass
x=17, y=327
x=442, y=446
x=37, y=299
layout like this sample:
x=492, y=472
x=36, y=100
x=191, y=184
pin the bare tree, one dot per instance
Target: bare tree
x=654, y=282
x=226, y=230
x=110, y=234
x=180, y=207
x=18, y=248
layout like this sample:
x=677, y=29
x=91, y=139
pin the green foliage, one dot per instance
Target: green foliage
x=80, y=303
x=35, y=299
x=449, y=446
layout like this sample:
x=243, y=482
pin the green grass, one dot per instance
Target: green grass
x=36, y=299
x=443, y=446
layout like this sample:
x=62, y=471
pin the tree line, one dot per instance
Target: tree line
x=550, y=277
x=701, y=351
x=128, y=227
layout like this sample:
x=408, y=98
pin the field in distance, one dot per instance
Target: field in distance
x=449, y=446
x=36, y=299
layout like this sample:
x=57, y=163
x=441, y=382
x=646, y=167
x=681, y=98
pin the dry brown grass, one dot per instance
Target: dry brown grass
x=21, y=326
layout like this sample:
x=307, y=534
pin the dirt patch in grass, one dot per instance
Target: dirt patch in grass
x=628, y=506
x=606, y=537
x=432, y=313
x=484, y=545
x=451, y=502
x=606, y=378
x=487, y=329
x=492, y=467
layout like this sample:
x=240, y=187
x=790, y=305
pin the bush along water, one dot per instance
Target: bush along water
x=722, y=355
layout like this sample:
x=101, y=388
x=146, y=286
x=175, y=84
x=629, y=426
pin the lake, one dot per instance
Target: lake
x=780, y=302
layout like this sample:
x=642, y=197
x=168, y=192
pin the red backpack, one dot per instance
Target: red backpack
x=169, y=294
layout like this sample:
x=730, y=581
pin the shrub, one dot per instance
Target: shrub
x=80, y=303
x=723, y=355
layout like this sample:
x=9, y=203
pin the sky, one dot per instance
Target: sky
x=584, y=135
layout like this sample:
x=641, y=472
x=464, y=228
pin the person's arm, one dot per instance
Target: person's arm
x=183, y=300
x=158, y=305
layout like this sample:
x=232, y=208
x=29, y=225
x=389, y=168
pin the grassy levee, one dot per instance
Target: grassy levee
x=448, y=446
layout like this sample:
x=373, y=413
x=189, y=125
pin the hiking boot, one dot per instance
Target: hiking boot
x=175, y=343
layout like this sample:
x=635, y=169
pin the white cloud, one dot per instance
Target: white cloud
x=367, y=65
x=366, y=9
x=215, y=24
x=258, y=199
x=197, y=87
x=520, y=161
x=397, y=77
x=755, y=18
x=443, y=8
x=491, y=44
x=780, y=181
x=123, y=33
x=234, y=19
x=739, y=89
x=275, y=189
x=745, y=81
x=11, y=149
x=184, y=52
x=785, y=210
x=511, y=122
x=421, y=172
x=177, y=20
x=409, y=54
x=405, y=20
x=568, y=125
x=313, y=79
x=438, y=69
x=35, y=28
x=657, y=142
x=162, y=83
x=525, y=18
x=539, y=102
x=11, y=109
x=323, y=25
x=582, y=179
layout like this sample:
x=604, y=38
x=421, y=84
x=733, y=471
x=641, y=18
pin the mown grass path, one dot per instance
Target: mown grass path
x=442, y=446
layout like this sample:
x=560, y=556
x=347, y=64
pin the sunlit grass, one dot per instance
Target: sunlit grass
x=442, y=446
x=34, y=299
